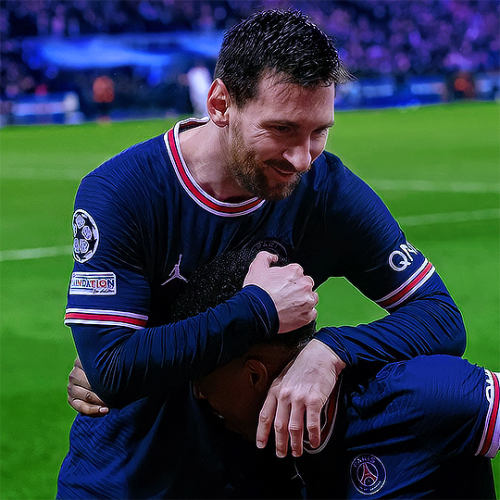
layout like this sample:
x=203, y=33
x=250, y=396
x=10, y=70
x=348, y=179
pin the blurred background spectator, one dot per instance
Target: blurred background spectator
x=447, y=49
x=199, y=79
x=103, y=92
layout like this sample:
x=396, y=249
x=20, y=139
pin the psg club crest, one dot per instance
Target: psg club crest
x=274, y=247
x=86, y=236
x=368, y=474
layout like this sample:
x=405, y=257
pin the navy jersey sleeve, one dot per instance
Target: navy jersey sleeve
x=418, y=424
x=124, y=364
x=117, y=225
x=372, y=252
x=449, y=404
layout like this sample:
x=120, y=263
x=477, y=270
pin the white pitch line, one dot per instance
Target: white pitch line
x=434, y=187
x=411, y=220
x=32, y=174
x=35, y=253
x=28, y=173
x=420, y=220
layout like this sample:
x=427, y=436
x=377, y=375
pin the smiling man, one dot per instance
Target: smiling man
x=272, y=140
x=253, y=170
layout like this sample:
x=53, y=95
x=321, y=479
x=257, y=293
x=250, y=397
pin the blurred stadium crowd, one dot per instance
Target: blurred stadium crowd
x=454, y=38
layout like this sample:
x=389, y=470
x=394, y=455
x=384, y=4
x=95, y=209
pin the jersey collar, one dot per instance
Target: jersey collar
x=193, y=189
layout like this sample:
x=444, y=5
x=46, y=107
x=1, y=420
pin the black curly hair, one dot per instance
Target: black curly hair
x=221, y=278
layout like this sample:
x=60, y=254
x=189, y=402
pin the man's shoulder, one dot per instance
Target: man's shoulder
x=135, y=157
x=140, y=176
x=329, y=160
x=329, y=172
x=143, y=164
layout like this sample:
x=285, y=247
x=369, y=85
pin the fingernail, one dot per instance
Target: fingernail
x=261, y=444
x=102, y=409
x=279, y=454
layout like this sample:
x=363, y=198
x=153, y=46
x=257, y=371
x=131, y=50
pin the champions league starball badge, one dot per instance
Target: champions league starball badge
x=86, y=236
x=368, y=474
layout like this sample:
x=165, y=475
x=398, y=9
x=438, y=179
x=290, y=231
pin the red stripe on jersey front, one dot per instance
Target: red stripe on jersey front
x=196, y=192
x=413, y=283
x=493, y=417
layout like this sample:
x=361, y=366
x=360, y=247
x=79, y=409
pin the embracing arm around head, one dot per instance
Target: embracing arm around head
x=291, y=293
x=365, y=244
x=127, y=349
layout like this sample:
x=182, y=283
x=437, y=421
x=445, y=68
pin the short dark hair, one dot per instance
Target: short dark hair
x=218, y=280
x=283, y=43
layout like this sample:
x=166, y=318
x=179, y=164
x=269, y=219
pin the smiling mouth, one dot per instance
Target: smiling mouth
x=287, y=174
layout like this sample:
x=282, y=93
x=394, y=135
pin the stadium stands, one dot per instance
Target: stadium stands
x=393, y=43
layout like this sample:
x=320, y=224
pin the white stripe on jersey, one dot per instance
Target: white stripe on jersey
x=490, y=440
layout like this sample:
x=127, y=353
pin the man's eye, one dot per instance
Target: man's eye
x=281, y=128
x=321, y=131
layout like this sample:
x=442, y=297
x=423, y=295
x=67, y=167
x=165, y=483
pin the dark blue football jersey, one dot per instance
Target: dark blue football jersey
x=142, y=225
x=423, y=428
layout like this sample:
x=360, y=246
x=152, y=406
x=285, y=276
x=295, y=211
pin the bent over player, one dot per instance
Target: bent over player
x=423, y=428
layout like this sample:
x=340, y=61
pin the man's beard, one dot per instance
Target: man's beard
x=251, y=174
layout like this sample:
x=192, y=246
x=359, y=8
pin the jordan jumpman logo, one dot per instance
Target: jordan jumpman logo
x=176, y=272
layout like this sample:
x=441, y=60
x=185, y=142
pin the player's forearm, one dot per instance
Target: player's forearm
x=124, y=365
x=428, y=325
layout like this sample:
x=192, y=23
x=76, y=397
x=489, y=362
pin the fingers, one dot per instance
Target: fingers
x=296, y=429
x=85, y=394
x=313, y=419
x=80, y=394
x=85, y=401
x=85, y=408
x=296, y=399
x=289, y=425
x=78, y=377
x=263, y=260
x=266, y=418
x=290, y=289
x=281, y=428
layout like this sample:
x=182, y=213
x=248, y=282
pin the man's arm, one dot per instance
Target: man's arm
x=367, y=247
x=124, y=365
x=424, y=326
x=428, y=323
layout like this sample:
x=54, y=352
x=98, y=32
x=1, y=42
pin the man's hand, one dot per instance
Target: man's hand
x=290, y=289
x=301, y=389
x=80, y=395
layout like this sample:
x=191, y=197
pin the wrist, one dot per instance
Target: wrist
x=328, y=355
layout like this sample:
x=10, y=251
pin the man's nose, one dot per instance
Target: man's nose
x=299, y=156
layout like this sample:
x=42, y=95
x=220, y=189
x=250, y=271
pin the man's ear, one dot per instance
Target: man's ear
x=218, y=101
x=258, y=375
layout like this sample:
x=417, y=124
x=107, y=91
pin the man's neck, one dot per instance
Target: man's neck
x=203, y=151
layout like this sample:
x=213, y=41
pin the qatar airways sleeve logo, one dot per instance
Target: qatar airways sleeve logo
x=400, y=259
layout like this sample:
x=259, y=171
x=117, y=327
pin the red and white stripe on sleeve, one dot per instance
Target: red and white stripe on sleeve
x=104, y=317
x=490, y=440
x=408, y=288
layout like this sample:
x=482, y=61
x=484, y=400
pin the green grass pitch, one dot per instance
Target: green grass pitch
x=436, y=167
